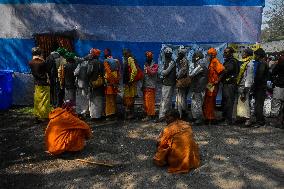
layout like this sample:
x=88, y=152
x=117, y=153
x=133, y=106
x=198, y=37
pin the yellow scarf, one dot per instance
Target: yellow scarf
x=243, y=68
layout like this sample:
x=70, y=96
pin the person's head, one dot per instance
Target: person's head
x=197, y=56
x=95, y=53
x=172, y=115
x=212, y=53
x=229, y=52
x=70, y=57
x=259, y=54
x=247, y=52
x=107, y=52
x=181, y=52
x=168, y=52
x=126, y=53
x=62, y=51
x=36, y=51
x=149, y=56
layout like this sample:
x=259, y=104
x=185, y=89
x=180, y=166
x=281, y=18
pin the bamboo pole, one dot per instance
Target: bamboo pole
x=94, y=162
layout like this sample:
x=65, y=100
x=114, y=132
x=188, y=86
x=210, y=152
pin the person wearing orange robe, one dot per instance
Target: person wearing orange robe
x=215, y=68
x=149, y=85
x=65, y=132
x=112, y=77
x=176, y=146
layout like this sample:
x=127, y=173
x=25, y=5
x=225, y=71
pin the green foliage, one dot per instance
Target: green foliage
x=275, y=23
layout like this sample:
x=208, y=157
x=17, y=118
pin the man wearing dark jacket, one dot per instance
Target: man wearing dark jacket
x=277, y=105
x=259, y=86
x=228, y=79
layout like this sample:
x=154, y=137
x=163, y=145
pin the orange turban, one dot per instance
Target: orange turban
x=95, y=52
x=149, y=54
x=212, y=52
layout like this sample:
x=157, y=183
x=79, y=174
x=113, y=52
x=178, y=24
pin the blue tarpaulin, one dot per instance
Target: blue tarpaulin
x=139, y=25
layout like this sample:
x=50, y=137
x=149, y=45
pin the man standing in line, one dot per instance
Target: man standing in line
x=245, y=81
x=40, y=70
x=183, y=88
x=259, y=85
x=229, y=80
x=130, y=85
x=95, y=73
x=215, y=68
x=112, y=77
x=168, y=75
x=198, y=86
x=149, y=85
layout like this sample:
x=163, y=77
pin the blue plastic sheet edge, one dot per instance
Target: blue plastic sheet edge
x=145, y=2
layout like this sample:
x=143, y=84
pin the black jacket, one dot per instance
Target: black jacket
x=231, y=71
x=261, y=76
x=69, y=78
x=278, y=75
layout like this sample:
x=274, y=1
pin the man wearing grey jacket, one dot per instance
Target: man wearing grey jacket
x=168, y=75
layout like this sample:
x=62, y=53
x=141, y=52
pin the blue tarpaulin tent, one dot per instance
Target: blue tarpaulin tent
x=136, y=24
x=139, y=25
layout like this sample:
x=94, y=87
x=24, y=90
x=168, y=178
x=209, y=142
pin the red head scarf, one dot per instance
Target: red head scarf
x=95, y=52
x=149, y=54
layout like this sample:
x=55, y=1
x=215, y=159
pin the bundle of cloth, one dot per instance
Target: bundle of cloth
x=65, y=132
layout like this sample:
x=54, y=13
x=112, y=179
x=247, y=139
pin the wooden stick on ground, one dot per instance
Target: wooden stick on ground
x=95, y=163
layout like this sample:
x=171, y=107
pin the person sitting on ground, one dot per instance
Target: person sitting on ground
x=65, y=131
x=176, y=146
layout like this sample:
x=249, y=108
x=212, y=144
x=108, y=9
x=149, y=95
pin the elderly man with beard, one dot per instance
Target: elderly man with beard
x=245, y=81
x=198, y=86
x=168, y=75
x=182, y=83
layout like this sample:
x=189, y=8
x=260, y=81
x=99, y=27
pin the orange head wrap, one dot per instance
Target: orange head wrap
x=95, y=52
x=149, y=54
x=212, y=52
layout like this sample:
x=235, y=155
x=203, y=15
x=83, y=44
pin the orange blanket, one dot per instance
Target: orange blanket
x=177, y=148
x=65, y=132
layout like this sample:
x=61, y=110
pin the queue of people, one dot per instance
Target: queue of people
x=92, y=85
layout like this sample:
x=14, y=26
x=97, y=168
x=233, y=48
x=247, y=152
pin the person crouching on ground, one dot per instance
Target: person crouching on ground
x=176, y=146
x=40, y=70
x=149, y=85
x=65, y=132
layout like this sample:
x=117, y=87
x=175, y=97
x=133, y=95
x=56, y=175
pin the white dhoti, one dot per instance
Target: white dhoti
x=181, y=100
x=82, y=101
x=243, y=107
x=96, y=106
x=166, y=100
x=196, y=105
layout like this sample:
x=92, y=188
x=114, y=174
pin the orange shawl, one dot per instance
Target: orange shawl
x=65, y=132
x=177, y=148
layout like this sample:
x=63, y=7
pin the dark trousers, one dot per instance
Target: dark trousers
x=228, y=98
x=259, y=103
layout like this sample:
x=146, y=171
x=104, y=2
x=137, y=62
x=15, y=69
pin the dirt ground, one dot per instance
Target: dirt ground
x=232, y=157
